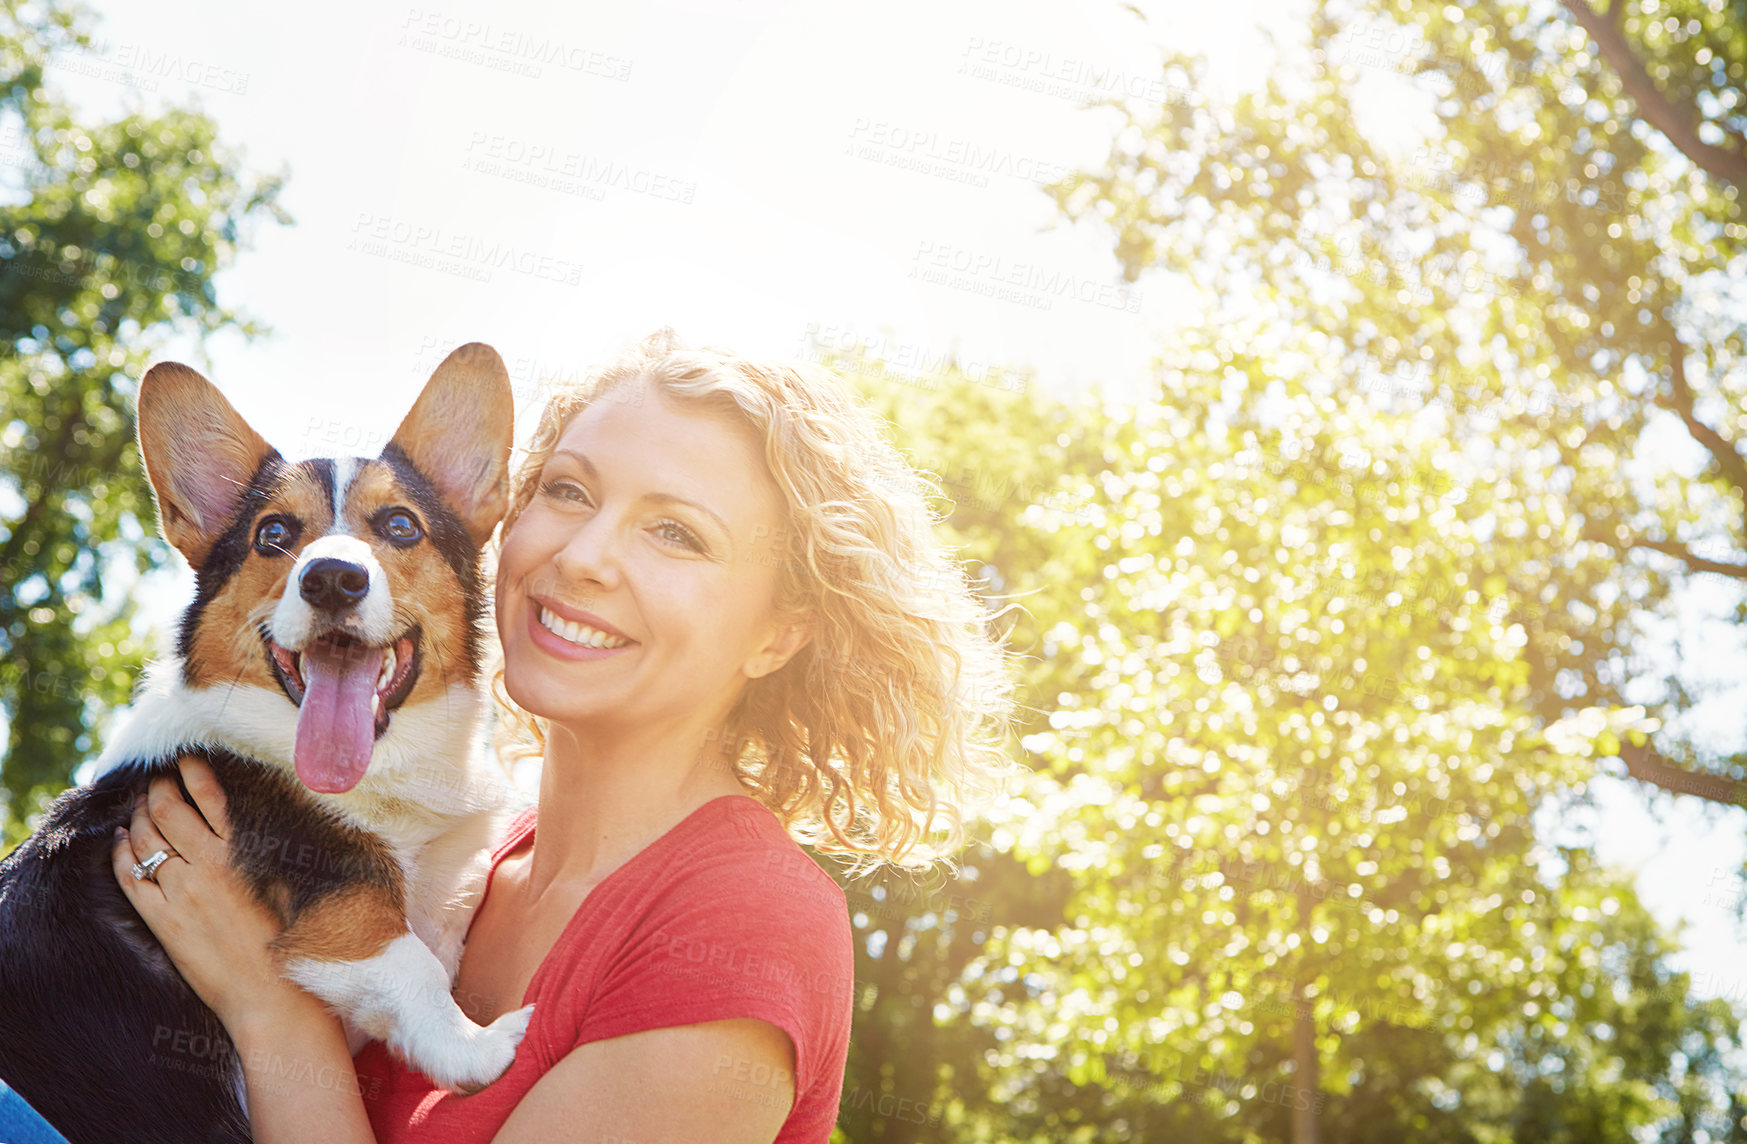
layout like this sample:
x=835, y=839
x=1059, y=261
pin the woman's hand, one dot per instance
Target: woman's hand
x=209, y=923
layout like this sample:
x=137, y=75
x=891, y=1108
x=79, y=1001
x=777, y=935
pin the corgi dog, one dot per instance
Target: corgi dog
x=329, y=670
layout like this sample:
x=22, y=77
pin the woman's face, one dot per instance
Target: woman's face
x=661, y=527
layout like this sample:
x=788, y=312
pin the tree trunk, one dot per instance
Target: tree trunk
x=1306, y=1075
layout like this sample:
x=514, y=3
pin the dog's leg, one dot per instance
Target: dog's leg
x=356, y=953
x=446, y=883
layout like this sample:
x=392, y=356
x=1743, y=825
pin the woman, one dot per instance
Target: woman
x=726, y=626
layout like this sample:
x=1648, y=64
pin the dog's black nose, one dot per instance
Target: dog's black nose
x=331, y=584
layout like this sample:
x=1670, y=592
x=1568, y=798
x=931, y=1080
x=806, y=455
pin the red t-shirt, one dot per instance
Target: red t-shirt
x=723, y=916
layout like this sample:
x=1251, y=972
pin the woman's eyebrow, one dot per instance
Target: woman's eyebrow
x=659, y=497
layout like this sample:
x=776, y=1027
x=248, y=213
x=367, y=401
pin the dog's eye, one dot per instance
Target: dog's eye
x=400, y=527
x=275, y=536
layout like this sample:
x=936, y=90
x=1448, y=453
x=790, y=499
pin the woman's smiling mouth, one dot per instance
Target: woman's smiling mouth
x=572, y=638
x=578, y=633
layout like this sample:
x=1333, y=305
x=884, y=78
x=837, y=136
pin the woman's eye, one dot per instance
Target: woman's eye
x=561, y=490
x=400, y=527
x=274, y=536
x=680, y=533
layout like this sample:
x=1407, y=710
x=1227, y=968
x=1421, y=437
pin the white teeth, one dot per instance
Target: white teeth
x=375, y=704
x=580, y=634
x=387, y=675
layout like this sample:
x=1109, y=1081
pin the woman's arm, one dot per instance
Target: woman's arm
x=297, y=1072
x=299, y=1076
x=730, y=1082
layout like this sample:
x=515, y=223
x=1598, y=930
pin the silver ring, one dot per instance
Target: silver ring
x=147, y=871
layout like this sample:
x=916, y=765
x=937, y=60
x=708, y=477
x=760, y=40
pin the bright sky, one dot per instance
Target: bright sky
x=746, y=172
x=557, y=180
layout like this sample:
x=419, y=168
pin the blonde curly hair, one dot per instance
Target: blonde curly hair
x=878, y=736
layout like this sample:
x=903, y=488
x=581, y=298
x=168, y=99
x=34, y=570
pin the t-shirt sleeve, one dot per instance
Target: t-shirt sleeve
x=768, y=938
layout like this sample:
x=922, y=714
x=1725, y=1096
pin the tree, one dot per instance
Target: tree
x=1282, y=875
x=1414, y=529
x=109, y=239
x=1552, y=267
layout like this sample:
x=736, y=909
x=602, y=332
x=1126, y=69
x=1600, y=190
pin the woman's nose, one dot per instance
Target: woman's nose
x=590, y=554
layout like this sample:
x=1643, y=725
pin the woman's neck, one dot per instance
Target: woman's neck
x=603, y=800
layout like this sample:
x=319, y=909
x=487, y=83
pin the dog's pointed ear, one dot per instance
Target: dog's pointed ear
x=199, y=454
x=458, y=435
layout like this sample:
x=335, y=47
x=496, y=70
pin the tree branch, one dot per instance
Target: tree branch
x=1646, y=765
x=1679, y=125
x=1696, y=563
x=1734, y=466
x=1721, y=449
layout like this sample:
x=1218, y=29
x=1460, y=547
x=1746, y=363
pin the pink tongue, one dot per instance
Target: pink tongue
x=335, y=727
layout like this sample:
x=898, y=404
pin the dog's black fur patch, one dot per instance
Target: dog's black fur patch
x=95, y=1024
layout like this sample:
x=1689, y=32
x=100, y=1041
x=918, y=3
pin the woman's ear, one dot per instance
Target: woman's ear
x=788, y=637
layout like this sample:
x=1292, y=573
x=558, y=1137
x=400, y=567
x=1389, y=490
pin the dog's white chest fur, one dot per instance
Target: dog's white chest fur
x=430, y=794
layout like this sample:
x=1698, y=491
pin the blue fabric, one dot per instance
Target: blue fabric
x=19, y=1123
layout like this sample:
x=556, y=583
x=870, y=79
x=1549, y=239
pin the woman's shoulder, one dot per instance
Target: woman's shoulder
x=742, y=916
x=740, y=852
x=726, y=916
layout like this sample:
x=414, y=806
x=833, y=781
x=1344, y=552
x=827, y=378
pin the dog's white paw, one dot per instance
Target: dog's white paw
x=481, y=1057
x=401, y=996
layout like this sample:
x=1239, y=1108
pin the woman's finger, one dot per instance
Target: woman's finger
x=208, y=796
x=173, y=819
x=147, y=838
x=144, y=895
